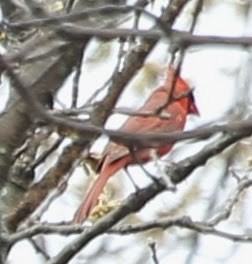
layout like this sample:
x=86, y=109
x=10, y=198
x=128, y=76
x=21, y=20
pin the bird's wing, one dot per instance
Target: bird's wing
x=144, y=125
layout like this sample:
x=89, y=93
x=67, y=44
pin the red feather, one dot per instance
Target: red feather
x=118, y=156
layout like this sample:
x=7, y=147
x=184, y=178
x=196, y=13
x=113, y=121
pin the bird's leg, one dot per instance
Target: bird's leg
x=152, y=177
x=154, y=157
x=131, y=179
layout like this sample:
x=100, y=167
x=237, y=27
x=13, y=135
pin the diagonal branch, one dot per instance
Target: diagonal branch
x=133, y=62
x=137, y=200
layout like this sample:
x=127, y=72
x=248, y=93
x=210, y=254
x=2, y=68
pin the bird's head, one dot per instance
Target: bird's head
x=181, y=92
x=184, y=95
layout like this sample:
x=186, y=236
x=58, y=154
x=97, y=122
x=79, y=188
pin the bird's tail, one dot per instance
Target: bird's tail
x=90, y=200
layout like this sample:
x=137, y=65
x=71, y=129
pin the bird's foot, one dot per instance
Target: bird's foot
x=150, y=175
x=153, y=178
x=136, y=187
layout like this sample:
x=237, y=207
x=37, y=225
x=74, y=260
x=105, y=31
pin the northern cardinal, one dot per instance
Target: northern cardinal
x=118, y=156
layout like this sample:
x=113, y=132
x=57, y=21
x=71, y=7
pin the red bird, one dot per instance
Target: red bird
x=118, y=156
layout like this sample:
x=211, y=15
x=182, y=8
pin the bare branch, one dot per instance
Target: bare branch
x=226, y=211
x=152, y=245
x=207, y=227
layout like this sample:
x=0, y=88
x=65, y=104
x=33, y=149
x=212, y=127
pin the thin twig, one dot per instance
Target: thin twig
x=226, y=211
x=76, y=79
x=152, y=245
x=45, y=154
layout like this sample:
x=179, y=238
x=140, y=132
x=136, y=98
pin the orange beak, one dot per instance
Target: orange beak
x=193, y=109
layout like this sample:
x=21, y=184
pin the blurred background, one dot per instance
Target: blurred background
x=221, y=79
